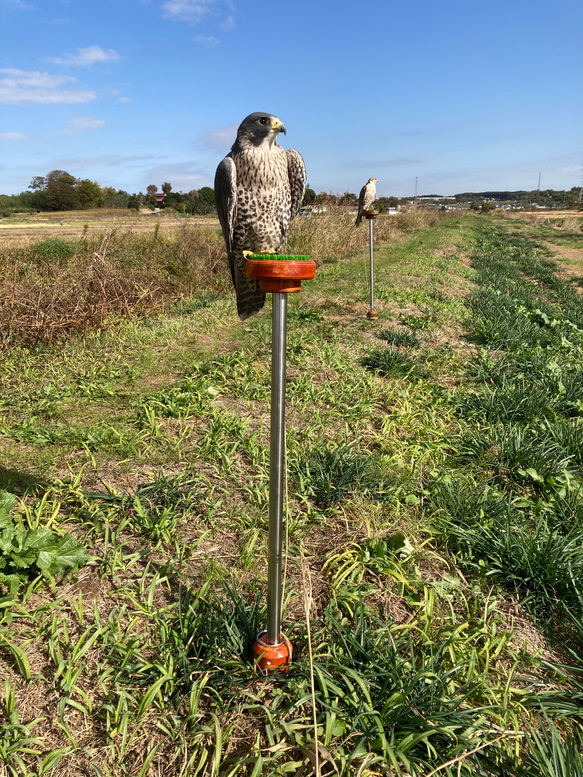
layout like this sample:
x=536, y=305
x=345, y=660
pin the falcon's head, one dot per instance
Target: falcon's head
x=372, y=180
x=258, y=128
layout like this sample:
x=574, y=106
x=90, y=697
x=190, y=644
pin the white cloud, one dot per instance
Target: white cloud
x=125, y=100
x=192, y=11
x=229, y=23
x=220, y=139
x=89, y=56
x=18, y=4
x=22, y=86
x=12, y=136
x=206, y=40
x=195, y=11
x=82, y=124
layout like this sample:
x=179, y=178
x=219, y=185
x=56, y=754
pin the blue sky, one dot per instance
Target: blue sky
x=464, y=96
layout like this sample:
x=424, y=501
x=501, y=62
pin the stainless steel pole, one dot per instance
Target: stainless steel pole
x=276, y=466
x=370, y=241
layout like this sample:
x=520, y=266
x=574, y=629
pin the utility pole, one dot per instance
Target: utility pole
x=415, y=188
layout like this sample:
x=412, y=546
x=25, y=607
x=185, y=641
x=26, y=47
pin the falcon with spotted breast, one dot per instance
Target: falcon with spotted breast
x=259, y=189
x=368, y=195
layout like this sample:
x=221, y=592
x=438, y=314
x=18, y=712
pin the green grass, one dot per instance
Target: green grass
x=434, y=488
x=522, y=442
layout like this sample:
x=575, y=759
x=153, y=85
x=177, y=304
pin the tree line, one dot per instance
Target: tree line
x=61, y=191
x=547, y=198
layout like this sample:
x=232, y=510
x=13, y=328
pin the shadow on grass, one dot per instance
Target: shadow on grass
x=20, y=483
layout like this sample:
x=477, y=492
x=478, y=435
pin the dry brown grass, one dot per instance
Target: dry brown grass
x=71, y=300
x=331, y=235
x=58, y=286
x=572, y=223
x=52, y=289
x=562, y=219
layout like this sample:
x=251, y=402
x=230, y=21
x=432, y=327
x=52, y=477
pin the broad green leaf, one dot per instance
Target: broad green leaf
x=62, y=555
x=7, y=502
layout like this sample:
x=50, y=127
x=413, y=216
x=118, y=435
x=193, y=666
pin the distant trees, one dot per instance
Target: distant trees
x=112, y=198
x=348, y=198
x=206, y=195
x=546, y=198
x=326, y=199
x=309, y=195
x=61, y=191
x=89, y=193
x=384, y=203
x=199, y=201
x=38, y=182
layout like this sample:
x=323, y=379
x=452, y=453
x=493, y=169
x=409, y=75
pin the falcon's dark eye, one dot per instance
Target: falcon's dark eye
x=263, y=120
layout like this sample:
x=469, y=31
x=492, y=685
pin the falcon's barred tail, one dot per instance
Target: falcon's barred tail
x=250, y=299
x=358, y=220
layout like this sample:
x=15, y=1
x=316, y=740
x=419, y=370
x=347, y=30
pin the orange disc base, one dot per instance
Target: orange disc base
x=272, y=658
x=279, y=285
x=280, y=275
x=372, y=314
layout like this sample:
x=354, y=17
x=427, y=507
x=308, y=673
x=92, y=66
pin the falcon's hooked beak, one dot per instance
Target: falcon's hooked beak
x=278, y=126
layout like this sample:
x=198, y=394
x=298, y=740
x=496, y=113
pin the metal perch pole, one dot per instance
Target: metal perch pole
x=281, y=275
x=276, y=466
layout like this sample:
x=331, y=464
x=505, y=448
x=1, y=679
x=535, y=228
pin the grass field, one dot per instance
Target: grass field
x=434, y=512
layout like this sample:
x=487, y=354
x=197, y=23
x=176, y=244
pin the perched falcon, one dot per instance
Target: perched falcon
x=259, y=189
x=368, y=195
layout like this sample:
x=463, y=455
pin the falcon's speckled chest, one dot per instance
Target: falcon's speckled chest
x=370, y=195
x=263, y=198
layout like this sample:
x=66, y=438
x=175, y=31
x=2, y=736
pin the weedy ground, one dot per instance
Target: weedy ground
x=433, y=560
